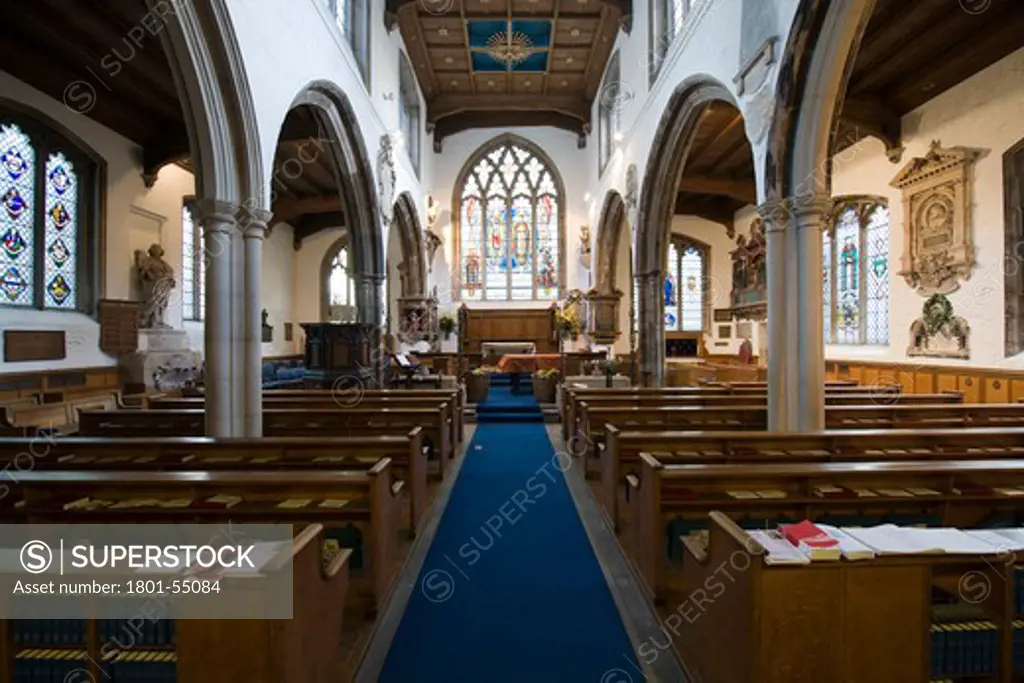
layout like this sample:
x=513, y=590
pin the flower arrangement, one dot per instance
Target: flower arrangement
x=485, y=370
x=568, y=324
x=447, y=325
x=546, y=373
x=544, y=383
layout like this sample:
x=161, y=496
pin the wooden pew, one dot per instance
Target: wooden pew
x=209, y=454
x=620, y=456
x=303, y=648
x=62, y=417
x=446, y=404
x=366, y=497
x=760, y=399
x=842, y=622
x=754, y=417
x=964, y=497
x=344, y=398
x=278, y=423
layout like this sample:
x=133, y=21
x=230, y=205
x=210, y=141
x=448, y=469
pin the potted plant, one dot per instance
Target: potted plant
x=544, y=384
x=568, y=324
x=478, y=382
x=447, y=325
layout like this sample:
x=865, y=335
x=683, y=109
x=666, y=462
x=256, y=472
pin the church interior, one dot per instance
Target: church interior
x=596, y=341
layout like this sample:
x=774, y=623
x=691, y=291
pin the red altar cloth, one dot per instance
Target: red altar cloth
x=528, y=363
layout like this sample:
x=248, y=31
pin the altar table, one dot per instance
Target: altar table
x=527, y=364
x=503, y=348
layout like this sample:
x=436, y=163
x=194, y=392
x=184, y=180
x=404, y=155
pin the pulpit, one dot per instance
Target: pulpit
x=337, y=350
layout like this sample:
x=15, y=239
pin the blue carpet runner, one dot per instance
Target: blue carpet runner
x=504, y=406
x=510, y=590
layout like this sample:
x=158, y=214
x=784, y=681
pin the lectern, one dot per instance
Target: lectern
x=337, y=350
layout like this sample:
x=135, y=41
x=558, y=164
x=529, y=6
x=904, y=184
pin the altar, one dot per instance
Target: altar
x=527, y=364
x=501, y=348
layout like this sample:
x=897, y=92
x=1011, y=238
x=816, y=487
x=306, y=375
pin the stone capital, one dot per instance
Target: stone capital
x=810, y=208
x=216, y=210
x=253, y=221
x=775, y=214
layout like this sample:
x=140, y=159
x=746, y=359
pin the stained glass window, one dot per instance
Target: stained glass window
x=353, y=17
x=17, y=192
x=685, y=286
x=193, y=267
x=510, y=230
x=341, y=281
x=855, y=273
x=44, y=185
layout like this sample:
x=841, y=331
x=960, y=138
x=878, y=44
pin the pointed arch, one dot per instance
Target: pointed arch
x=337, y=250
x=410, y=234
x=354, y=175
x=609, y=233
x=470, y=172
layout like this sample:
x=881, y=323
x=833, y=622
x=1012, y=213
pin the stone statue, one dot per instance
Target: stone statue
x=156, y=277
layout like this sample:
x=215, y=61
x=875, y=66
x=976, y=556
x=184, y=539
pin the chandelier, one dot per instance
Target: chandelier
x=510, y=48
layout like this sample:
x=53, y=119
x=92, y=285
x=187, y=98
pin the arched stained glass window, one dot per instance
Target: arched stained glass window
x=855, y=272
x=47, y=193
x=685, y=290
x=341, y=281
x=510, y=225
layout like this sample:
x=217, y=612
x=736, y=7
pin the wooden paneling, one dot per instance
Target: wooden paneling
x=528, y=325
x=979, y=385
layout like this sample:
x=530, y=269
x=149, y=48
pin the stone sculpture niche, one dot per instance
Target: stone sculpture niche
x=938, y=251
x=938, y=333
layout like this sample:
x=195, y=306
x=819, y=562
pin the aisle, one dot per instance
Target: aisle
x=510, y=590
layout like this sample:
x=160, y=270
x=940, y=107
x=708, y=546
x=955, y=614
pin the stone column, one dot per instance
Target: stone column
x=253, y=222
x=651, y=347
x=775, y=222
x=218, y=222
x=808, y=221
x=370, y=308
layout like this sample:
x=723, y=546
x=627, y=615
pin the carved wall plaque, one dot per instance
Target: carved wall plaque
x=938, y=238
x=21, y=346
x=938, y=333
x=119, y=326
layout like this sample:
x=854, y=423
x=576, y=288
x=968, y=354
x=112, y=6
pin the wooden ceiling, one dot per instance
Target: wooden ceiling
x=304, y=188
x=914, y=51
x=569, y=42
x=719, y=176
x=97, y=62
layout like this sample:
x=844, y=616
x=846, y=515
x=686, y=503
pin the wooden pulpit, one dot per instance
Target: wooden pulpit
x=337, y=350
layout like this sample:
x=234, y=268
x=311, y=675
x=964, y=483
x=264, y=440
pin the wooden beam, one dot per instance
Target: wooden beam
x=572, y=106
x=741, y=190
x=868, y=117
x=174, y=150
x=722, y=212
x=505, y=119
x=310, y=225
x=287, y=210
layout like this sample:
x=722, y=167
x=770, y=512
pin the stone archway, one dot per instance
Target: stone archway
x=353, y=174
x=609, y=232
x=410, y=234
x=670, y=149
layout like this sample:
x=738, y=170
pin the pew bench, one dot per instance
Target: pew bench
x=26, y=419
x=620, y=455
x=209, y=454
x=281, y=423
x=365, y=499
x=869, y=620
x=961, y=493
x=211, y=650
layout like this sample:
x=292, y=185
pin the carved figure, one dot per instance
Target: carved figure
x=156, y=277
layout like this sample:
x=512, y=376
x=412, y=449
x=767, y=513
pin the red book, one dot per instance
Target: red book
x=811, y=540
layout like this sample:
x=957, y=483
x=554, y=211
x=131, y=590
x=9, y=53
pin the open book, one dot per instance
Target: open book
x=889, y=539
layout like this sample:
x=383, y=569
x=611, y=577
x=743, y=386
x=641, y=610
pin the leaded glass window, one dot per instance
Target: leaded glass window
x=353, y=19
x=608, y=115
x=855, y=272
x=685, y=289
x=409, y=111
x=510, y=226
x=193, y=267
x=341, y=287
x=46, y=192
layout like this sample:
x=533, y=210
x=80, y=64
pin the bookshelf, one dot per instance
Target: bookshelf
x=153, y=650
x=847, y=622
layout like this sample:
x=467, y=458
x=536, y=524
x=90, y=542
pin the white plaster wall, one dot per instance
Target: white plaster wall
x=571, y=164
x=286, y=45
x=306, y=290
x=136, y=217
x=277, y=290
x=985, y=113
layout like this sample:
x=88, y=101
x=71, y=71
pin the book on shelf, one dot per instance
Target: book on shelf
x=809, y=539
x=829, y=491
